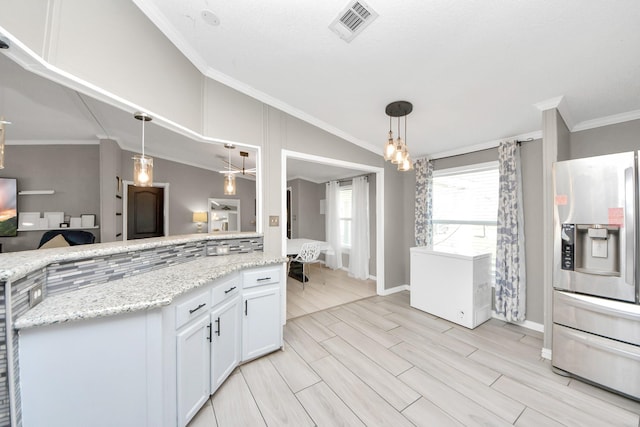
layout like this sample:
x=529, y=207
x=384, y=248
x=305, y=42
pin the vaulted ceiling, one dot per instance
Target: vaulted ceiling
x=473, y=70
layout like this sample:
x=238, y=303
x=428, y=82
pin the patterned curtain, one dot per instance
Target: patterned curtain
x=424, y=202
x=510, y=295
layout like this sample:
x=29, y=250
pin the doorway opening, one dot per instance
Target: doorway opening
x=330, y=283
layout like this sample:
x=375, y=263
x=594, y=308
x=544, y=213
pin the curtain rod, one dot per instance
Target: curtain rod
x=519, y=142
x=366, y=175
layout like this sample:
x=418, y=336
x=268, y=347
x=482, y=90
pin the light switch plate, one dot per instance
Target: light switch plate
x=35, y=295
x=274, y=221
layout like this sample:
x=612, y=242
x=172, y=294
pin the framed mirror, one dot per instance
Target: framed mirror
x=224, y=215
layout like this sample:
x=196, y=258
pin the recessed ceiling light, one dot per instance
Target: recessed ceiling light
x=210, y=18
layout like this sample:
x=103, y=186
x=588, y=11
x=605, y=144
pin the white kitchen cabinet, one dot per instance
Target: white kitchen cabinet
x=261, y=317
x=261, y=329
x=193, y=367
x=453, y=286
x=153, y=367
x=225, y=343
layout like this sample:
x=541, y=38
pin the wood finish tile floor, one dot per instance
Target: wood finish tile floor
x=379, y=362
x=326, y=288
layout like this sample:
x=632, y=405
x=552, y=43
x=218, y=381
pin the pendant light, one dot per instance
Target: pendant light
x=2, y=140
x=397, y=151
x=390, y=147
x=229, y=177
x=142, y=165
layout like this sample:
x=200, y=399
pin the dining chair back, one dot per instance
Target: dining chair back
x=309, y=254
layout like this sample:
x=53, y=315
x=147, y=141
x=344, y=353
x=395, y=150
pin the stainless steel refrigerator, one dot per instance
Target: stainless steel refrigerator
x=596, y=311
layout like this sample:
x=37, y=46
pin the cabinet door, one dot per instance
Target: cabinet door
x=194, y=361
x=225, y=351
x=261, y=328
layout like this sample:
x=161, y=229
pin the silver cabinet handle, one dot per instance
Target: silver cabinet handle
x=262, y=279
x=229, y=290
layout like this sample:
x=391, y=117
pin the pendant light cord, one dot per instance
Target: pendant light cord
x=405, y=130
x=143, y=120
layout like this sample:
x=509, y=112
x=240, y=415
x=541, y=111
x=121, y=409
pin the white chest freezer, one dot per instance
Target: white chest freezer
x=453, y=286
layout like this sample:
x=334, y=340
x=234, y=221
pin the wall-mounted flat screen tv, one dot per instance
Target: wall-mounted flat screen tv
x=8, y=207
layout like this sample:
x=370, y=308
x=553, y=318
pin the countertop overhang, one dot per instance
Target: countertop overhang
x=145, y=291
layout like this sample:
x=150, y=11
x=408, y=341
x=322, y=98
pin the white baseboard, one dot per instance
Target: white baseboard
x=534, y=326
x=546, y=353
x=394, y=290
x=374, y=278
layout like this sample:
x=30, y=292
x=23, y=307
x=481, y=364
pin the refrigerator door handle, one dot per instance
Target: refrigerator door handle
x=629, y=226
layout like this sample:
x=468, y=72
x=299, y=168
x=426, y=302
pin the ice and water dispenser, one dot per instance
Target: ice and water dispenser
x=592, y=248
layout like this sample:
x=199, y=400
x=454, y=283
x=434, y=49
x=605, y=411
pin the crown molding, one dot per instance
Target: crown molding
x=160, y=21
x=608, y=120
x=561, y=105
x=482, y=146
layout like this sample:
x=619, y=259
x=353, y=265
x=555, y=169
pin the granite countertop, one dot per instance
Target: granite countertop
x=141, y=292
x=14, y=265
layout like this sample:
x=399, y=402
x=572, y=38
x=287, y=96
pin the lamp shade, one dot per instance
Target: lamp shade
x=199, y=217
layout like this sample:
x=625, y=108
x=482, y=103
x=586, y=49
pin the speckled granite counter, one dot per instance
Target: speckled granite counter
x=145, y=291
x=15, y=265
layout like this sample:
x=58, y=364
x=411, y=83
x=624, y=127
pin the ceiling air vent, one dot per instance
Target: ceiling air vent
x=352, y=20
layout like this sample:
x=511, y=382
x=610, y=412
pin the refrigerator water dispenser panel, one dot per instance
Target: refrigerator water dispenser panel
x=597, y=249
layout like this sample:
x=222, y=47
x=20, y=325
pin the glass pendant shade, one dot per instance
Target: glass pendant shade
x=399, y=154
x=142, y=170
x=406, y=164
x=229, y=184
x=390, y=148
x=142, y=165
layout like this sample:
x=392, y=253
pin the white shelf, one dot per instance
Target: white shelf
x=67, y=228
x=32, y=192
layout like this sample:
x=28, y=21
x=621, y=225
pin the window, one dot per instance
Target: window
x=345, y=216
x=465, y=210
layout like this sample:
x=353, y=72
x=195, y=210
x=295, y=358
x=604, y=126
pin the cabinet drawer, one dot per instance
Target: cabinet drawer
x=264, y=276
x=225, y=290
x=192, y=308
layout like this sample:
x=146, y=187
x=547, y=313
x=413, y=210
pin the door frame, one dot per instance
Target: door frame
x=165, y=207
x=378, y=171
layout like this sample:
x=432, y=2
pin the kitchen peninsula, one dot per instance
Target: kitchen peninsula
x=134, y=333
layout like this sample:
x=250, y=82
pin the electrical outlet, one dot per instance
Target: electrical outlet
x=35, y=295
x=274, y=221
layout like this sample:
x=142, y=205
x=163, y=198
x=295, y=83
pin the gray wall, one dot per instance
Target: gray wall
x=531, y=156
x=110, y=204
x=88, y=38
x=307, y=222
x=70, y=170
x=83, y=177
x=189, y=189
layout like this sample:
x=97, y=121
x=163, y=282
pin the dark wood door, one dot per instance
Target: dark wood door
x=145, y=212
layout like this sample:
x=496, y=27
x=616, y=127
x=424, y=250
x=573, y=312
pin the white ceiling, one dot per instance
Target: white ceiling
x=473, y=70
